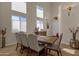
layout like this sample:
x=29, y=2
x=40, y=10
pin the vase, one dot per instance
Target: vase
x=74, y=43
x=3, y=42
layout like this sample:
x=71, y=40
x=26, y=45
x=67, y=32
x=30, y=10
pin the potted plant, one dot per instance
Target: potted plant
x=3, y=32
x=73, y=42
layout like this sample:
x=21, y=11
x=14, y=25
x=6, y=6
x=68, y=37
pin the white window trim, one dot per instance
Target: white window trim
x=20, y=23
x=36, y=11
x=39, y=18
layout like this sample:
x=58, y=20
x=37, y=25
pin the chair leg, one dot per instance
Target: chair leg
x=58, y=53
x=37, y=54
x=27, y=52
x=17, y=47
x=46, y=51
x=30, y=52
x=21, y=50
x=49, y=50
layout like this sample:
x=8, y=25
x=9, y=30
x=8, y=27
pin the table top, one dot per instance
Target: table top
x=47, y=39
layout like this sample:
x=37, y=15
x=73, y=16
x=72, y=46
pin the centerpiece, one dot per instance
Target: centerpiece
x=74, y=42
x=3, y=32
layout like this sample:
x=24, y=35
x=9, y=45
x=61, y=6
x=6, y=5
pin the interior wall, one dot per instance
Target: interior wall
x=71, y=21
x=5, y=13
x=30, y=17
x=5, y=18
x=0, y=28
x=65, y=21
x=31, y=11
x=50, y=10
x=54, y=13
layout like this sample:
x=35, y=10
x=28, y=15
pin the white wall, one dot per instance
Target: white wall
x=31, y=11
x=66, y=21
x=0, y=27
x=55, y=27
x=54, y=12
x=50, y=10
x=5, y=18
x=30, y=17
x=71, y=21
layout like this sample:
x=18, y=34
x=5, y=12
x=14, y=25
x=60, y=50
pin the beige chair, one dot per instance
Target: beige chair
x=18, y=38
x=33, y=44
x=56, y=47
x=25, y=44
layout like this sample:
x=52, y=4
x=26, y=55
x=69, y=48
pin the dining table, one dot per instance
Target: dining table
x=47, y=40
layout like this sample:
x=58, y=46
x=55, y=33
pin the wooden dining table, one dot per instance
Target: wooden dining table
x=47, y=40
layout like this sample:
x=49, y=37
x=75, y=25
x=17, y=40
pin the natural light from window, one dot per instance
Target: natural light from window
x=39, y=25
x=19, y=6
x=15, y=24
x=18, y=24
x=39, y=16
x=19, y=19
x=70, y=51
x=39, y=12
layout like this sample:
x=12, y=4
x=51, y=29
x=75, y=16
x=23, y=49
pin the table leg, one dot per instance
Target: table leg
x=45, y=49
x=3, y=42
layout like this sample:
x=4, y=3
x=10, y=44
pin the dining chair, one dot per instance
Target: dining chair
x=25, y=44
x=33, y=44
x=56, y=47
x=18, y=39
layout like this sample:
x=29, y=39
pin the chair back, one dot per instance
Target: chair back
x=33, y=42
x=58, y=42
x=18, y=37
x=24, y=40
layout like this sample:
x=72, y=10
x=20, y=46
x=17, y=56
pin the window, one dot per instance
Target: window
x=39, y=24
x=39, y=12
x=39, y=16
x=15, y=23
x=23, y=23
x=18, y=23
x=19, y=6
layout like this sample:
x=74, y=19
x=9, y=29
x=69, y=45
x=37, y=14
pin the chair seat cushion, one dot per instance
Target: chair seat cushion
x=53, y=47
x=40, y=48
x=41, y=44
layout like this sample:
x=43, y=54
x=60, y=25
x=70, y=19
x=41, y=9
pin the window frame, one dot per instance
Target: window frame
x=20, y=14
x=19, y=24
x=17, y=10
x=39, y=18
x=40, y=7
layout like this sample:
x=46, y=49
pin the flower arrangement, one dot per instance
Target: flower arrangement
x=74, y=32
x=74, y=43
x=3, y=31
x=56, y=18
x=47, y=24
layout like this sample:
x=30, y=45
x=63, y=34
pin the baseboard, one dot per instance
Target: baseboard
x=64, y=43
x=10, y=44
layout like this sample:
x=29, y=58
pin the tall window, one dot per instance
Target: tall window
x=19, y=6
x=18, y=23
x=39, y=15
x=39, y=24
x=18, y=16
x=39, y=12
